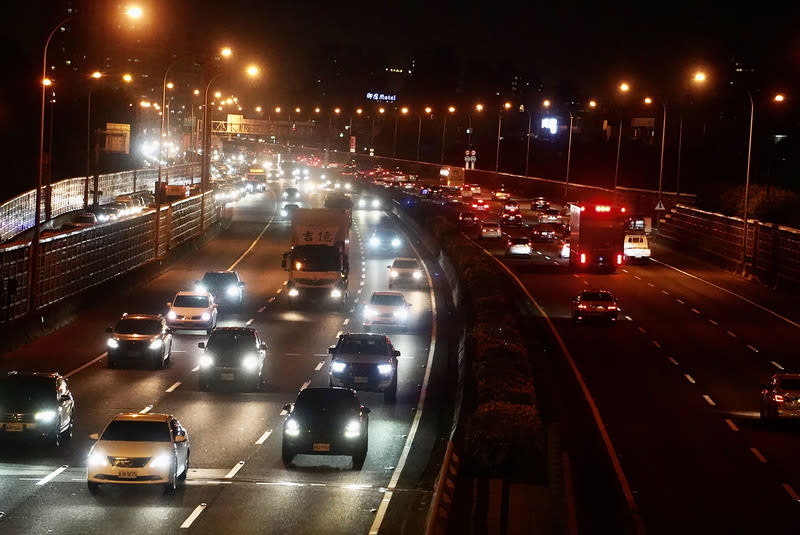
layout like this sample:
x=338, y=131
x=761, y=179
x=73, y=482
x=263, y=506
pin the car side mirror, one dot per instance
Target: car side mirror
x=395, y=353
x=180, y=438
x=287, y=407
x=109, y=330
x=263, y=346
x=94, y=436
x=331, y=349
x=169, y=304
x=201, y=345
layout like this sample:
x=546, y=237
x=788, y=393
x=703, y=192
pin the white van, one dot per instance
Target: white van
x=636, y=248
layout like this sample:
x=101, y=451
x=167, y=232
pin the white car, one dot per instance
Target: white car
x=192, y=310
x=144, y=449
x=636, y=248
x=386, y=308
x=519, y=247
x=491, y=230
x=405, y=270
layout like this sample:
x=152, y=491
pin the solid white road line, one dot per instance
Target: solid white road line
x=758, y=455
x=346, y=321
x=252, y=245
x=731, y=424
x=751, y=348
x=746, y=300
x=173, y=387
x=79, y=368
x=270, y=300
x=628, y=318
x=650, y=284
x=709, y=400
x=146, y=409
x=279, y=290
x=776, y=364
x=689, y=378
x=642, y=330
x=672, y=360
x=45, y=480
x=292, y=354
x=586, y=282
x=192, y=517
x=319, y=366
x=264, y=437
x=234, y=470
x=624, y=270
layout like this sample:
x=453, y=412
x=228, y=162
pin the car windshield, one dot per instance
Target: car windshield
x=137, y=431
x=596, y=296
x=231, y=341
x=405, y=264
x=373, y=345
x=219, y=279
x=18, y=389
x=312, y=401
x=137, y=326
x=790, y=384
x=191, y=301
x=635, y=239
x=520, y=241
x=316, y=258
x=388, y=300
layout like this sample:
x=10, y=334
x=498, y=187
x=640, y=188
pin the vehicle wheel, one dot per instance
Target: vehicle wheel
x=390, y=395
x=286, y=456
x=70, y=430
x=93, y=487
x=172, y=484
x=185, y=472
x=358, y=460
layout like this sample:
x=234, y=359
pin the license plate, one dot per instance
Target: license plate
x=361, y=379
x=226, y=376
x=127, y=474
x=15, y=427
x=321, y=447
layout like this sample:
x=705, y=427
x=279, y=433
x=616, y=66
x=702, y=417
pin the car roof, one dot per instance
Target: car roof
x=234, y=329
x=364, y=336
x=219, y=272
x=403, y=258
x=192, y=292
x=388, y=293
x=138, y=417
x=600, y=291
x=787, y=376
x=141, y=316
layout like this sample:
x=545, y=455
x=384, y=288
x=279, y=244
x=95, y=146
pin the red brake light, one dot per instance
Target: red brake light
x=583, y=258
x=778, y=398
x=583, y=208
x=612, y=307
x=619, y=259
x=582, y=307
x=602, y=208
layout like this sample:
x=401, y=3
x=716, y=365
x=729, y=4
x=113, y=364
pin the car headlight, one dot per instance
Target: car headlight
x=417, y=274
x=401, y=314
x=347, y=185
x=97, y=458
x=338, y=367
x=396, y=242
x=200, y=288
x=373, y=241
x=250, y=363
x=376, y=203
x=352, y=429
x=384, y=369
x=205, y=316
x=161, y=461
x=393, y=274
x=336, y=293
x=284, y=213
x=45, y=416
x=232, y=290
x=369, y=312
x=113, y=344
x=293, y=292
x=156, y=344
x=285, y=194
x=362, y=203
x=206, y=361
x=171, y=315
x=292, y=427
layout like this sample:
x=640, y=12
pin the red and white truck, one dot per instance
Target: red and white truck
x=597, y=236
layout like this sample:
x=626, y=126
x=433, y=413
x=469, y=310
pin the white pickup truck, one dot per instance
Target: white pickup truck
x=636, y=248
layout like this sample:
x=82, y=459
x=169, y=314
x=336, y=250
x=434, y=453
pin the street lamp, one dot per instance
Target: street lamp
x=649, y=101
x=506, y=105
x=404, y=111
x=592, y=104
x=478, y=108
x=451, y=110
x=96, y=75
x=623, y=88
x=698, y=79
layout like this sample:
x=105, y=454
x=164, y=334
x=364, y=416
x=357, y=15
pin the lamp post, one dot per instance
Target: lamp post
x=569, y=156
x=649, y=101
x=699, y=78
x=404, y=111
x=624, y=87
x=507, y=106
x=450, y=109
x=94, y=76
x=478, y=108
x=428, y=110
x=747, y=181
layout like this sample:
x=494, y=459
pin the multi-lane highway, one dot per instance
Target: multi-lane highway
x=236, y=481
x=676, y=383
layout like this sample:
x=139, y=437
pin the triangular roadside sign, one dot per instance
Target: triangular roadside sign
x=660, y=206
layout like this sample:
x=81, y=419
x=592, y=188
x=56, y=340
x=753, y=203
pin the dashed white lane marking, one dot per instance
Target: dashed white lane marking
x=679, y=301
x=285, y=283
x=362, y=283
x=195, y=368
x=351, y=310
x=650, y=284
x=173, y=387
x=192, y=517
x=714, y=323
x=235, y=469
x=776, y=364
x=323, y=355
x=146, y=409
x=247, y=324
x=84, y=366
x=346, y=321
x=305, y=385
x=709, y=400
x=546, y=257
x=264, y=437
x=270, y=300
x=292, y=354
x=790, y=491
x=731, y=424
x=624, y=270
x=695, y=311
x=284, y=412
x=689, y=378
x=732, y=334
x=359, y=290
x=46, y=479
x=751, y=348
x=279, y=290
x=672, y=360
x=655, y=343
x=628, y=318
x=319, y=366
x=576, y=275
x=642, y=330
x=637, y=277
x=586, y=282
x=758, y=455
x=664, y=292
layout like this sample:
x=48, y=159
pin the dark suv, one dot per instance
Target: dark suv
x=36, y=405
x=226, y=287
x=232, y=355
x=140, y=338
x=364, y=361
x=326, y=421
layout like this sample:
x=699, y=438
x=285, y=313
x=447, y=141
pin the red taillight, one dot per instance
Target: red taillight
x=778, y=398
x=582, y=307
x=510, y=244
x=612, y=307
x=619, y=259
x=583, y=258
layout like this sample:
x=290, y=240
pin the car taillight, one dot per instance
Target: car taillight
x=778, y=398
x=612, y=307
x=510, y=244
x=619, y=259
x=582, y=307
x=583, y=258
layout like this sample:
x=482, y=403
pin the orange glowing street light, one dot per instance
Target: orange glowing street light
x=779, y=98
x=277, y=109
x=97, y=75
x=226, y=52
x=170, y=85
x=699, y=77
x=478, y=107
x=592, y=104
x=252, y=70
x=196, y=91
x=317, y=110
x=258, y=109
x=546, y=103
x=47, y=82
x=297, y=110
x=404, y=110
x=359, y=111
x=127, y=78
x=624, y=87
x=144, y=104
x=451, y=109
x=134, y=12
x=337, y=111
x=428, y=110
x=648, y=100
x=381, y=110
x=507, y=105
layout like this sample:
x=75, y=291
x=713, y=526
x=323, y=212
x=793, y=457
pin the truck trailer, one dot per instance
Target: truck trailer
x=597, y=236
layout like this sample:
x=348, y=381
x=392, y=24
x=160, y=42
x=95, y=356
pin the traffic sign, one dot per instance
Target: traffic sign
x=660, y=206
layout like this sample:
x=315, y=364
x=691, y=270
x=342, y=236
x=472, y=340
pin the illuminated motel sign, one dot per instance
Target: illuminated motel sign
x=381, y=97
